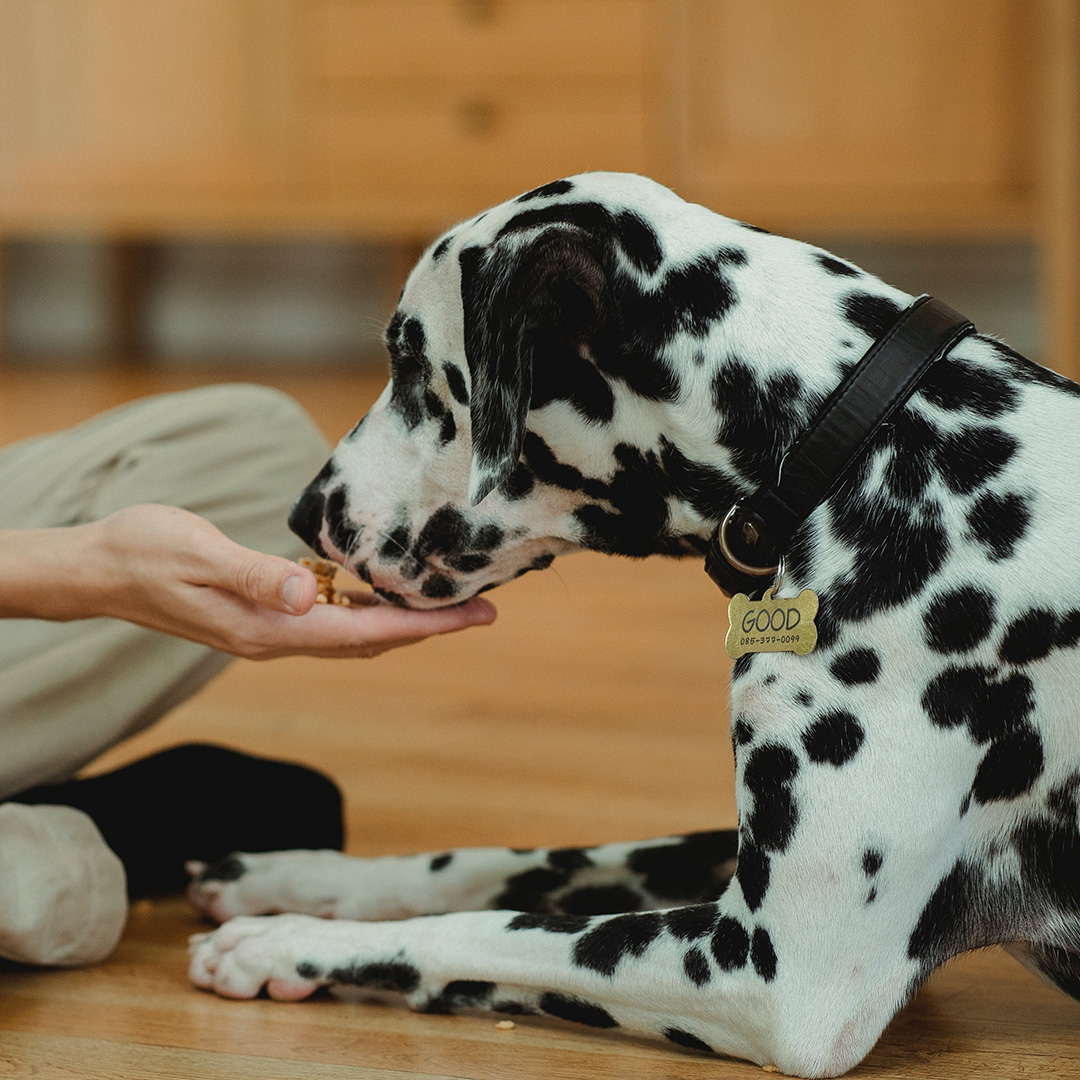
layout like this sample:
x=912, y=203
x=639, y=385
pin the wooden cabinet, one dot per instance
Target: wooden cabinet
x=392, y=118
x=464, y=102
x=897, y=114
x=129, y=114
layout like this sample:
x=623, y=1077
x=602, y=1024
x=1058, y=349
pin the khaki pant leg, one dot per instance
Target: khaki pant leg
x=237, y=455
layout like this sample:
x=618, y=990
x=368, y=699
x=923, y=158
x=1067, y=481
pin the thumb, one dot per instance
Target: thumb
x=272, y=582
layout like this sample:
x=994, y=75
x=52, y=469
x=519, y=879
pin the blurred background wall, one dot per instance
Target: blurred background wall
x=249, y=180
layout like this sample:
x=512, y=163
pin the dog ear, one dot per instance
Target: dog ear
x=519, y=299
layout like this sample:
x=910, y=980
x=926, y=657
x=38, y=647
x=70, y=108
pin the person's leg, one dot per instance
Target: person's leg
x=200, y=802
x=238, y=456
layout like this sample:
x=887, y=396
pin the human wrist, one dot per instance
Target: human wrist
x=53, y=573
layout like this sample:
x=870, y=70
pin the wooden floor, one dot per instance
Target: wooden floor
x=594, y=709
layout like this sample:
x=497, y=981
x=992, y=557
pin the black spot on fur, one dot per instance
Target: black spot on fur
x=872, y=861
x=602, y=948
x=572, y=858
x=1049, y=853
x=639, y=241
x=1010, y=766
x=410, y=369
x=835, y=266
x=600, y=900
x=804, y=698
x=742, y=733
x=441, y=248
x=468, y=564
x=528, y=891
x=228, y=869
x=691, y=923
x=446, y=530
x=1029, y=637
x=916, y=447
x=730, y=944
x=834, y=737
x=959, y=619
x=769, y=773
x=547, y=191
x=955, y=384
x=439, y=587
x=873, y=315
x=441, y=862
x=518, y=484
x=639, y=522
x=547, y=468
x=696, y=966
x=1068, y=634
x=706, y=488
x=513, y=1008
x=306, y=515
x=990, y=707
x=447, y=429
x=455, y=380
x=741, y=668
x=1062, y=799
x=971, y=457
x=688, y=870
x=944, y=927
x=566, y=1007
x=1022, y=368
x=554, y=924
x=395, y=544
x=343, y=533
x=753, y=873
x=856, y=667
x=763, y=954
x=684, y=1038
x=759, y=419
x=897, y=553
x=388, y=975
x=461, y=994
x=999, y=522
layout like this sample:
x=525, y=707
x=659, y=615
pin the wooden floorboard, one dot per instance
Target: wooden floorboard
x=594, y=709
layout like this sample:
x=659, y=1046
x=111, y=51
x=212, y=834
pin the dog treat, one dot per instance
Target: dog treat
x=324, y=572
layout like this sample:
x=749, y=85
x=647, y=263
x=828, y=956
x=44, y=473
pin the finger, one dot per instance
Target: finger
x=266, y=580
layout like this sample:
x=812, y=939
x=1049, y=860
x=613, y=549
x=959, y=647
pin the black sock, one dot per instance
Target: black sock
x=200, y=802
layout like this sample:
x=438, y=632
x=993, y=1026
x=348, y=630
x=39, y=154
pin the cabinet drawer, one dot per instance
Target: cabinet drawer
x=350, y=41
x=491, y=146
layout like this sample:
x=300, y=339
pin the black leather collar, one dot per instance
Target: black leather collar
x=746, y=547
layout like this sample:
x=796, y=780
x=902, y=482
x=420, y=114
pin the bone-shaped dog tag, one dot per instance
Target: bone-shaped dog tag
x=772, y=624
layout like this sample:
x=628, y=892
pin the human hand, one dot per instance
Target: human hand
x=170, y=570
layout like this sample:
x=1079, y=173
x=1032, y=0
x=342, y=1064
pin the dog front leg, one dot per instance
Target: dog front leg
x=584, y=881
x=706, y=977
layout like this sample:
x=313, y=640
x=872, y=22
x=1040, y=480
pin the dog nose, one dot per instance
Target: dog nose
x=306, y=517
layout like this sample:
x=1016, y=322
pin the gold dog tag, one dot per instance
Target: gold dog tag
x=771, y=624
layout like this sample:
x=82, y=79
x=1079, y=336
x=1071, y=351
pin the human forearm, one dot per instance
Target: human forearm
x=44, y=573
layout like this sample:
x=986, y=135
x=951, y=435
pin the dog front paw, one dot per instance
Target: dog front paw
x=266, y=884
x=291, y=956
x=249, y=953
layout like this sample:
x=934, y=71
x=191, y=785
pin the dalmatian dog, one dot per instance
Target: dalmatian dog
x=600, y=365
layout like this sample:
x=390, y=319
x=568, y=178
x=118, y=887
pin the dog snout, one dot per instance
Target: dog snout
x=306, y=517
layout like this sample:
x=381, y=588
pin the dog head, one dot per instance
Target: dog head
x=536, y=356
